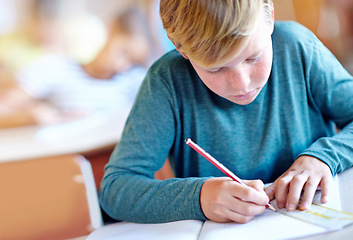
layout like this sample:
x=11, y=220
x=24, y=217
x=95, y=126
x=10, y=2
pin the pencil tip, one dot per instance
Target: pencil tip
x=271, y=207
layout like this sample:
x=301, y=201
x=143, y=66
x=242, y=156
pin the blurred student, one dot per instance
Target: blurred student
x=57, y=88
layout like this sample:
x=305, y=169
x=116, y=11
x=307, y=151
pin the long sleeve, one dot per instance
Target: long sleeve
x=331, y=88
x=129, y=191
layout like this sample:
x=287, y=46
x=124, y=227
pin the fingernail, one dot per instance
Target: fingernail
x=290, y=207
x=280, y=205
x=304, y=205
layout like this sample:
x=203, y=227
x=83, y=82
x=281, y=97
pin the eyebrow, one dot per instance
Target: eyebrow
x=256, y=54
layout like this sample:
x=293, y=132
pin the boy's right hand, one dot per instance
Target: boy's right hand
x=224, y=200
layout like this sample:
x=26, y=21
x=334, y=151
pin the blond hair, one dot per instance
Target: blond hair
x=210, y=31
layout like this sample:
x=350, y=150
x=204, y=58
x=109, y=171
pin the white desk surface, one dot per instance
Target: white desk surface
x=80, y=136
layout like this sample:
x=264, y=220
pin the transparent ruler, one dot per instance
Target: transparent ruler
x=319, y=215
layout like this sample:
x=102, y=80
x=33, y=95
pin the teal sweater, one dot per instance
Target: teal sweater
x=307, y=94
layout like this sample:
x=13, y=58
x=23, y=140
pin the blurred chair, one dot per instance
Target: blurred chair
x=323, y=17
x=165, y=172
x=48, y=198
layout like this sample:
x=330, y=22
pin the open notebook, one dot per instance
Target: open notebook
x=272, y=225
x=269, y=225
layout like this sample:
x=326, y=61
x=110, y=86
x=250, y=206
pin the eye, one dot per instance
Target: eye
x=219, y=70
x=254, y=59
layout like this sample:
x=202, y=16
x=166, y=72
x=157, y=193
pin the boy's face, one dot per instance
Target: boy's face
x=241, y=79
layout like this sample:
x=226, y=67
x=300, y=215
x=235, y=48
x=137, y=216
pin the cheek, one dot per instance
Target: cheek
x=208, y=81
x=263, y=70
x=214, y=83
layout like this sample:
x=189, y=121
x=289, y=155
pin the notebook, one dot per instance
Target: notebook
x=276, y=225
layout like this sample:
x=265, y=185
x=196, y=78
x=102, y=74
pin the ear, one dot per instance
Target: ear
x=182, y=54
x=272, y=16
x=177, y=48
x=272, y=11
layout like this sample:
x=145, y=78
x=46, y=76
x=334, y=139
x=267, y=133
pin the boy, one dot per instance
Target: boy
x=261, y=97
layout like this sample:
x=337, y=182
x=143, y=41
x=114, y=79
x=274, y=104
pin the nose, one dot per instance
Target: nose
x=239, y=79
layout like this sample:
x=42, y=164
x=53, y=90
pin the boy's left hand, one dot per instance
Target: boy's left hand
x=306, y=174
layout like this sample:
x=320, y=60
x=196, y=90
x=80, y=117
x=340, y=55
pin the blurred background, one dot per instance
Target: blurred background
x=74, y=27
x=42, y=39
x=330, y=20
x=50, y=47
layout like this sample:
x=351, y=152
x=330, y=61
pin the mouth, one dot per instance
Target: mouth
x=246, y=95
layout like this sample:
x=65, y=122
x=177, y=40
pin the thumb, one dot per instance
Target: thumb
x=271, y=190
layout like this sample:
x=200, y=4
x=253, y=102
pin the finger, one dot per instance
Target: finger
x=243, y=212
x=295, y=190
x=282, y=190
x=256, y=184
x=271, y=190
x=249, y=194
x=236, y=210
x=309, y=192
x=326, y=184
x=249, y=208
x=237, y=217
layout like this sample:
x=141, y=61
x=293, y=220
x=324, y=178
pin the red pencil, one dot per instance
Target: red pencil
x=220, y=166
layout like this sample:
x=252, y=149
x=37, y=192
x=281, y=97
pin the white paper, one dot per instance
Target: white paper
x=180, y=230
x=268, y=226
